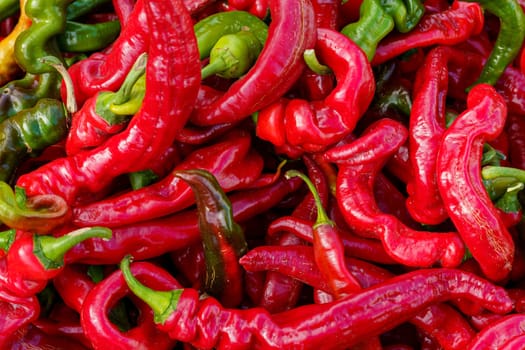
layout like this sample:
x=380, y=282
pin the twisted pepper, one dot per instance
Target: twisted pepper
x=278, y=66
x=460, y=185
x=172, y=81
x=359, y=163
x=182, y=314
x=222, y=237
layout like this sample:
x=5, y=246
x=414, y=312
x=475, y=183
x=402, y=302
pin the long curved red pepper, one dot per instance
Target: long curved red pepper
x=452, y=26
x=426, y=128
x=103, y=333
x=314, y=125
x=232, y=160
x=184, y=316
x=172, y=79
x=278, y=66
x=461, y=187
x=359, y=163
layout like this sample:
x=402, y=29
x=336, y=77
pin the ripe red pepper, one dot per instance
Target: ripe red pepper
x=172, y=81
x=184, y=316
x=73, y=285
x=461, y=187
x=432, y=29
x=359, y=163
x=314, y=125
x=498, y=334
x=291, y=31
x=99, y=329
x=17, y=312
x=232, y=160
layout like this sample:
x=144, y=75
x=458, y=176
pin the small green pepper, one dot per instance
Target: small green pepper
x=233, y=55
x=30, y=131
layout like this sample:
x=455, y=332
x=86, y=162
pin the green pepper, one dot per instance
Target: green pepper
x=8, y=8
x=30, y=131
x=23, y=93
x=223, y=239
x=211, y=28
x=373, y=25
x=48, y=19
x=233, y=55
x=509, y=40
x=83, y=37
x=405, y=13
x=79, y=8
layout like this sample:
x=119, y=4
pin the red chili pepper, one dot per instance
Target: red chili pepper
x=73, y=285
x=17, y=312
x=359, y=163
x=291, y=31
x=32, y=337
x=312, y=126
x=95, y=310
x=432, y=29
x=427, y=125
x=461, y=187
x=172, y=81
x=498, y=334
x=345, y=322
x=232, y=161
x=155, y=237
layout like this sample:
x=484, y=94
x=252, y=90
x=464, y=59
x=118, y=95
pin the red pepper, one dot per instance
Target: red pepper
x=359, y=163
x=232, y=161
x=432, y=29
x=154, y=237
x=328, y=248
x=32, y=337
x=17, y=312
x=314, y=125
x=278, y=66
x=73, y=285
x=184, y=316
x=104, y=334
x=172, y=81
x=427, y=125
x=461, y=186
x=496, y=335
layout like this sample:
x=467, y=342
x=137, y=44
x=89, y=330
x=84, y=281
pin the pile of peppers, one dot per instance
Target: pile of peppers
x=262, y=174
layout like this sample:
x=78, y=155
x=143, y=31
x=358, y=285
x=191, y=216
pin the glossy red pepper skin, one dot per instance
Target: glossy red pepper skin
x=461, y=187
x=278, y=66
x=312, y=126
x=346, y=322
x=232, y=160
x=17, y=312
x=151, y=238
x=426, y=128
x=73, y=285
x=359, y=163
x=166, y=108
x=434, y=28
x=102, y=333
x=497, y=334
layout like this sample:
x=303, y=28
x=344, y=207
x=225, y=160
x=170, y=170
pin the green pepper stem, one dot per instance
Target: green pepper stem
x=217, y=65
x=491, y=172
x=322, y=217
x=163, y=303
x=51, y=250
x=71, y=102
x=124, y=92
x=311, y=60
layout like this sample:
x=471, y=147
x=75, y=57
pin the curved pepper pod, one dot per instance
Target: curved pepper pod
x=104, y=334
x=359, y=164
x=278, y=66
x=224, y=159
x=312, y=126
x=426, y=128
x=205, y=324
x=460, y=184
x=452, y=26
x=500, y=333
x=173, y=81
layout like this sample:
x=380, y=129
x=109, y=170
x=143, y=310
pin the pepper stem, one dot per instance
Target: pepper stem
x=322, y=217
x=163, y=303
x=51, y=250
x=491, y=172
x=139, y=68
x=71, y=102
x=311, y=60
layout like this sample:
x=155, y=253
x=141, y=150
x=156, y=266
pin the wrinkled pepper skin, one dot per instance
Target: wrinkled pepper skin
x=461, y=187
x=29, y=132
x=312, y=126
x=166, y=108
x=278, y=66
x=185, y=316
